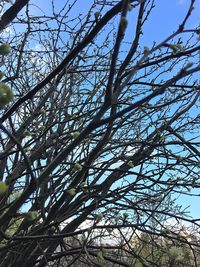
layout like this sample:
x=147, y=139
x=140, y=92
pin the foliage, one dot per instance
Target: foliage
x=162, y=252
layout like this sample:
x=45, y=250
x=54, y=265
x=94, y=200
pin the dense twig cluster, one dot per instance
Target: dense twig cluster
x=102, y=129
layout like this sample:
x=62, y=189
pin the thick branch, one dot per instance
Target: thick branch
x=11, y=13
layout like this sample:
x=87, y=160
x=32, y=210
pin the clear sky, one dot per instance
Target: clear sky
x=164, y=20
x=167, y=12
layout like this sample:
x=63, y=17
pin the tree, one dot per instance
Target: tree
x=163, y=252
x=102, y=129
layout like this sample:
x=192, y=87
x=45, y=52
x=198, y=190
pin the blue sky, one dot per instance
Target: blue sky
x=164, y=20
x=165, y=16
x=168, y=13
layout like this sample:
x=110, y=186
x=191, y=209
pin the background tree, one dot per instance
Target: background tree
x=102, y=129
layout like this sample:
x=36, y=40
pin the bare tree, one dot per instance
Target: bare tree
x=102, y=131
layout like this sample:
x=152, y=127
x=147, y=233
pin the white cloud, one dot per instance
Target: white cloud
x=105, y=235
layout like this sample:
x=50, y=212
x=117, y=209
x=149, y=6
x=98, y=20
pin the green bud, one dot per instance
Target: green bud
x=14, y=196
x=83, y=184
x=109, y=230
x=159, y=133
x=55, y=136
x=125, y=215
x=130, y=163
x=21, y=232
x=176, y=48
x=41, y=128
x=1, y=75
x=83, y=238
x=163, y=138
x=3, y=188
x=77, y=167
x=123, y=23
x=99, y=217
x=74, y=116
x=129, y=8
x=51, y=230
x=27, y=133
x=6, y=94
x=179, y=46
x=103, y=251
x=188, y=65
x=97, y=14
x=100, y=254
x=31, y=215
x=43, y=111
x=146, y=50
x=100, y=258
x=71, y=192
x=4, y=49
x=117, y=218
x=90, y=94
x=75, y=134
